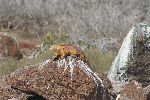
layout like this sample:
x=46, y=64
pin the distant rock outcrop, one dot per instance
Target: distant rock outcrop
x=64, y=79
x=9, y=47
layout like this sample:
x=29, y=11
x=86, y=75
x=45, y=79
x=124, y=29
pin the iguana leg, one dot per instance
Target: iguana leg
x=63, y=56
x=74, y=56
x=55, y=57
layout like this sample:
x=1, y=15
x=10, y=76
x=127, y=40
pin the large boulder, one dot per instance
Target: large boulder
x=132, y=63
x=64, y=79
x=139, y=64
x=133, y=57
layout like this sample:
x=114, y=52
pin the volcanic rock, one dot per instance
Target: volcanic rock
x=132, y=63
x=146, y=91
x=7, y=93
x=132, y=91
x=139, y=64
x=63, y=79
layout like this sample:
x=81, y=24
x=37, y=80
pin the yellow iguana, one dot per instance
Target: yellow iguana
x=62, y=51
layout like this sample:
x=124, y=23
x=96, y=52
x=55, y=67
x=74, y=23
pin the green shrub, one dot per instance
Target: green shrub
x=51, y=39
x=100, y=62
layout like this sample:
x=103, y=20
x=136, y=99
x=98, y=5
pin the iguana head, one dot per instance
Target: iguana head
x=55, y=48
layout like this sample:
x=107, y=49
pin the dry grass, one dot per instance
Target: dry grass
x=93, y=18
x=8, y=65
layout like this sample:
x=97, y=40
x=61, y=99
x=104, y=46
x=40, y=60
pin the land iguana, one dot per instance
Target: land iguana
x=62, y=51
